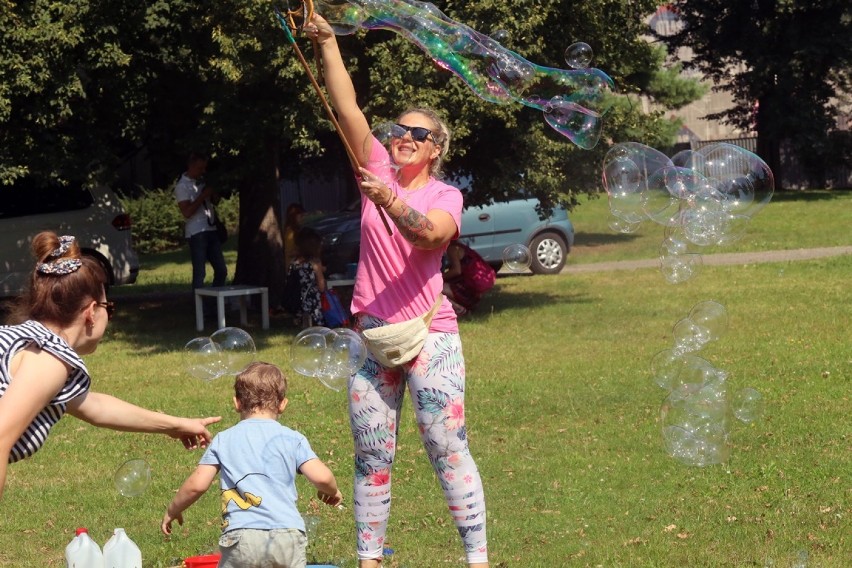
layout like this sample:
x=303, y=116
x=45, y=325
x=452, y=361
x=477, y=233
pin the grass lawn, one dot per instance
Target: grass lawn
x=792, y=220
x=562, y=415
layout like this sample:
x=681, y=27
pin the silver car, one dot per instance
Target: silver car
x=93, y=215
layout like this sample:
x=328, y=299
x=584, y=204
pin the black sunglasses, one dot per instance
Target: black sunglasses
x=109, y=307
x=418, y=133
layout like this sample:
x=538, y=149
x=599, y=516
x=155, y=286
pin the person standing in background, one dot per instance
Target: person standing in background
x=292, y=225
x=194, y=199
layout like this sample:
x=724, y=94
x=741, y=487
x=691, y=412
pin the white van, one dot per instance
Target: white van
x=93, y=215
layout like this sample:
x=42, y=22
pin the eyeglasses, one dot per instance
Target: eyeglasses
x=418, y=133
x=109, y=307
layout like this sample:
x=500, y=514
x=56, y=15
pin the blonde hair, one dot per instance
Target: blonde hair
x=440, y=135
x=261, y=386
x=58, y=297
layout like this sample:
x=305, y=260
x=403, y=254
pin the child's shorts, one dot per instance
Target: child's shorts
x=277, y=548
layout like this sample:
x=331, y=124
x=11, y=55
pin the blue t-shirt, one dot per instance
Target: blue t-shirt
x=258, y=460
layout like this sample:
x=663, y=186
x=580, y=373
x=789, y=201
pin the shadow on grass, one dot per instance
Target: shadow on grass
x=810, y=195
x=165, y=322
x=509, y=301
x=602, y=239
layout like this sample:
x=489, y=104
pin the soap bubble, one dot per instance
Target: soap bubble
x=711, y=317
x=689, y=337
x=494, y=73
x=617, y=225
x=671, y=369
x=680, y=267
x=500, y=36
x=517, y=258
x=132, y=477
x=579, y=55
x=330, y=355
x=226, y=352
x=708, y=195
x=312, y=523
x=621, y=175
x=202, y=359
x=307, y=350
x=236, y=350
x=747, y=405
x=694, y=419
x=387, y=131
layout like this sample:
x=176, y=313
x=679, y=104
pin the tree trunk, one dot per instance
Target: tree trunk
x=768, y=141
x=260, y=253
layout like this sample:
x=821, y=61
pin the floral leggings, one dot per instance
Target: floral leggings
x=435, y=380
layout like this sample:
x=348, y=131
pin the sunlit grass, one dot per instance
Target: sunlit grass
x=792, y=220
x=562, y=416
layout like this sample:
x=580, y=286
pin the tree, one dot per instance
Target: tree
x=502, y=147
x=65, y=96
x=84, y=83
x=782, y=60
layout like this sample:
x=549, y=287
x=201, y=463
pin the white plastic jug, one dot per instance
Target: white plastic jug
x=121, y=552
x=83, y=552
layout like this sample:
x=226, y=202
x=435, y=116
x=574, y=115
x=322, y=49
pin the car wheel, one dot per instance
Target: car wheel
x=549, y=253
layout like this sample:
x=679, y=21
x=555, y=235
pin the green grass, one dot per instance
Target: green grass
x=562, y=415
x=792, y=220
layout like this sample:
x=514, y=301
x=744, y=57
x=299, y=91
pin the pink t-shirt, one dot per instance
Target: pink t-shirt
x=397, y=281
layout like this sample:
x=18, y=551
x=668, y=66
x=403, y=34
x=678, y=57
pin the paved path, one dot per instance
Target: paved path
x=715, y=259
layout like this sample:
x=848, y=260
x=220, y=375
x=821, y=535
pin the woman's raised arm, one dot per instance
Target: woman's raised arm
x=340, y=89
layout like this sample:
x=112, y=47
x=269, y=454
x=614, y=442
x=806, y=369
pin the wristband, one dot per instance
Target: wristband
x=390, y=202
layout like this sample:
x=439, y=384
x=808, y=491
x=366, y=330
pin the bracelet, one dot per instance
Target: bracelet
x=390, y=202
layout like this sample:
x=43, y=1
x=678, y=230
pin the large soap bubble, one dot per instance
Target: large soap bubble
x=708, y=195
x=747, y=405
x=711, y=318
x=579, y=55
x=494, y=73
x=236, y=349
x=227, y=352
x=202, y=359
x=517, y=258
x=694, y=419
x=330, y=355
x=697, y=412
x=671, y=369
x=132, y=477
x=307, y=350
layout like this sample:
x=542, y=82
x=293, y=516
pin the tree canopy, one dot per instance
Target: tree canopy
x=84, y=84
x=785, y=62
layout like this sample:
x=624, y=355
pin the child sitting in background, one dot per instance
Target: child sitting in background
x=467, y=277
x=305, y=280
x=257, y=461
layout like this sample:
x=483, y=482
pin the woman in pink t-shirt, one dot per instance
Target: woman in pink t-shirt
x=399, y=278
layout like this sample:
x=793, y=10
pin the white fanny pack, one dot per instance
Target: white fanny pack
x=398, y=343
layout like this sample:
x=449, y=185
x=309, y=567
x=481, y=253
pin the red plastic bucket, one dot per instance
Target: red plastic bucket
x=206, y=561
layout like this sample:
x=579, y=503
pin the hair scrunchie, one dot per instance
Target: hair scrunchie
x=60, y=267
x=65, y=242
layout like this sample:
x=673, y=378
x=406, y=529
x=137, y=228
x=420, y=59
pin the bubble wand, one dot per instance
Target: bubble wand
x=287, y=24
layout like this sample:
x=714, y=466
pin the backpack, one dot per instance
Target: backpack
x=476, y=273
x=333, y=311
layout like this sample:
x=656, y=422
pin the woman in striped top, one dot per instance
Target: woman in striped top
x=64, y=315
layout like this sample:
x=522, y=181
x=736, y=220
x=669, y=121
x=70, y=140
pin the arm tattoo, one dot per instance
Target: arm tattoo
x=412, y=224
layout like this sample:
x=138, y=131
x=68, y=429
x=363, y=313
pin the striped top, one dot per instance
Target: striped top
x=13, y=339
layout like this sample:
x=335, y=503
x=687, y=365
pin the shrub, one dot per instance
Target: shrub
x=158, y=224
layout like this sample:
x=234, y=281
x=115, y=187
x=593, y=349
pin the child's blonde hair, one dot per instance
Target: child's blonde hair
x=261, y=386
